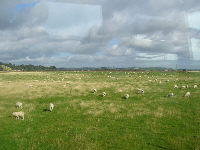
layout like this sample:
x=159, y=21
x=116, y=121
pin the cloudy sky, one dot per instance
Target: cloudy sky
x=96, y=33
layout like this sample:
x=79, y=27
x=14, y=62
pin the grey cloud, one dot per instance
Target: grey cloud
x=10, y=19
x=157, y=20
x=36, y=42
x=146, y=26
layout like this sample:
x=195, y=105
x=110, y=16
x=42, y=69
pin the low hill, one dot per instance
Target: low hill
x=13, y=67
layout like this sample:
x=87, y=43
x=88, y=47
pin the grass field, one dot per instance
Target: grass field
x=87, y=121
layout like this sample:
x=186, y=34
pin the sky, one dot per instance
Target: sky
x=100, y=33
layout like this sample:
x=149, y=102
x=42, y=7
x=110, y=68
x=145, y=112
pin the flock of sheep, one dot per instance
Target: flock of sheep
x=141, y=91
x=183, y=87
x=20, y=114
x=126, y=96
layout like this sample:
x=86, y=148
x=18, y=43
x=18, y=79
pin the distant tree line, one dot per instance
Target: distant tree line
x=9, y=66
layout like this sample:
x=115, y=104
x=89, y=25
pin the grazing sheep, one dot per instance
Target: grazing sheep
x=51, y=107
x=170, y=94
x=18, y=115
x=94, y=90
x=187, y=94
x=176, y=86
x=140, y=91
x=126, y=96
x=30, y=86
x=119, y=90
x=187, y=86
x=184, y=87
x=18, y=105
x=104, y=94
x=195, y=86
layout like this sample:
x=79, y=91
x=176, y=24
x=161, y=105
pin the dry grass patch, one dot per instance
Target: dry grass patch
x=95, y=112
x=159, y=112
x=138, y=111
x=97, y=108
x=112, y=108
x=37, y=90
x=2, y=108
x=29, y=107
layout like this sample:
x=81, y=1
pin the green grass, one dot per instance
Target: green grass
x=85, y=120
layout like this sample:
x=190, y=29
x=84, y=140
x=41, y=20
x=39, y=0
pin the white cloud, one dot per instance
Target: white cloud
x=71, y=19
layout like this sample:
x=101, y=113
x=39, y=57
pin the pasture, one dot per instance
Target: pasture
x=85, y=120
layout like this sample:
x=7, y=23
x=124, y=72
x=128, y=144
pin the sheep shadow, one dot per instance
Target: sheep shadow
x=100, y=95
x=45, y=110
x=123, y=97
x=10, y=116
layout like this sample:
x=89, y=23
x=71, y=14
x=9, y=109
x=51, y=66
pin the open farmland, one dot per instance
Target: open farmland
x=82, y=119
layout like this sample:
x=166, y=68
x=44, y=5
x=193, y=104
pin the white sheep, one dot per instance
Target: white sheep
x=126, y=96
x=18, y=115
x=18, y=105
x=94, y=90
x=183, y=86
x=187, y=94
x=104, y=94
x=187, y=86
x=120, y=90
x=140, y=91
x=51, y=107
x=176, y=86
x=170, y=94
x=30, y=86
x=195, y=86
